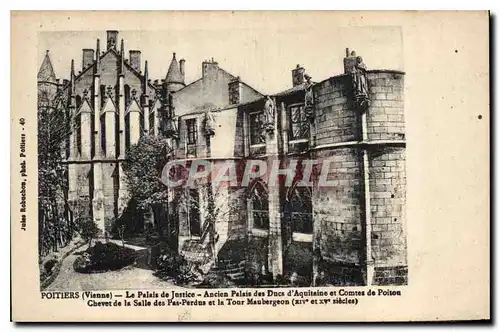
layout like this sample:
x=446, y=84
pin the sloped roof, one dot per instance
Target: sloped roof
x=174, y=74
x=85, y=107
x=109, y=106
x=292, y=90
x=46, y=72
x=134, y=106
x=117, y=55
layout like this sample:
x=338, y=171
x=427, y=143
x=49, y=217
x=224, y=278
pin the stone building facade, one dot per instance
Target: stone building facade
x=112, y=103
x=349, y=232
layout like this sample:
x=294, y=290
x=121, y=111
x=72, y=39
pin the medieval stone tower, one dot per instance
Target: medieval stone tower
x=112, y=103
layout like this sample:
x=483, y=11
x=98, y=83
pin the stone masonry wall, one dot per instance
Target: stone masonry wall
x=385, y=117
x=387, y=176
x=110, y=189
x=337, y=209
x=336, y=121
x=387, y=201
x=83, y=189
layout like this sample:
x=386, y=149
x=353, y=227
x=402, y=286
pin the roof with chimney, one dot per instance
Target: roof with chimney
x=46, y=72
x=174, y=74
x=292, y=90
x=100, y=56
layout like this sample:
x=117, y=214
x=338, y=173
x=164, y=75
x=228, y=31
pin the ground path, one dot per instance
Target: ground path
x=129, y=277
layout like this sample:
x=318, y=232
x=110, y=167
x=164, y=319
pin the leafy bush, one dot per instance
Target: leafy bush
x=104, y=257
x=258, y=279
x=168, y=263
x=49, y=265
x=188, y=272
x=108, y=224
x=87, y=228
x=172, y=266
x=157, y=250
x=216, y=280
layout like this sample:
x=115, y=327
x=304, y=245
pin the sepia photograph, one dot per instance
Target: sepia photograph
x=232, y=166
x=149, y=179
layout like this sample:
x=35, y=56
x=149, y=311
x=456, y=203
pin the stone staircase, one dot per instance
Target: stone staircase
x=199, y=250
x=223, y=262
x=234, y=271
x=196, y=251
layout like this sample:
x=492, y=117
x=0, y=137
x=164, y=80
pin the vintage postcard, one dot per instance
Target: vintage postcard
x=250, y=166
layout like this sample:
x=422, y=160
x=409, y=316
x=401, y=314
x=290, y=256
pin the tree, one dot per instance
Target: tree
x=54, y=129
x=88, y=229
x=143, y=167
x=214, y=203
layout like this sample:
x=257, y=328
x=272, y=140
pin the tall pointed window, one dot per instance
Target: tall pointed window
x=127, y=131
x=127, y=95
x=78, y=131
x=103, y=134
x=103, y=95
x=78, y=102
x=258, y=207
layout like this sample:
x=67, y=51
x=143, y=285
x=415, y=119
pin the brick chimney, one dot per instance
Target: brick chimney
x=209, y=67
x=182, y=64
x=234, y=91
x=112, y=38
x=135, y=59
x=298, y=75
x=87, y=57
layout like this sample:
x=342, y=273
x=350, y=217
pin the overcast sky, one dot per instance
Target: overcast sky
x=263, y=58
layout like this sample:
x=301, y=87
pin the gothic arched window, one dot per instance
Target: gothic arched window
x=258, y=206
x=127, y=131
x=102, y=92
x=78, y=101
x=78, y=130
x=127, y=95
x=103, y=134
